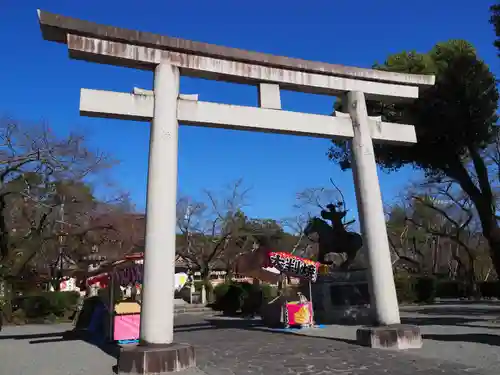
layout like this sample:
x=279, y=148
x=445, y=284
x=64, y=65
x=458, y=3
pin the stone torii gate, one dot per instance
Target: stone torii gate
x=165, y=107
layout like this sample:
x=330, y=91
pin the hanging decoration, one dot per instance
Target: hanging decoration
x=294, y=266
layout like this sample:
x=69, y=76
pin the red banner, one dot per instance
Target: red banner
x=293, y=265
x=101, y=279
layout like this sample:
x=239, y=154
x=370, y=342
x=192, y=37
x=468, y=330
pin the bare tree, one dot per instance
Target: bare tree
x=39, y=174
x=310, y=202
x=437, y=226
x=313, y=200
x=113, y=232
x=405, y=252
x=213, y=232
x=301, y=244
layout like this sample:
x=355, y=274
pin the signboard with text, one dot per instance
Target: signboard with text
x=294, y=266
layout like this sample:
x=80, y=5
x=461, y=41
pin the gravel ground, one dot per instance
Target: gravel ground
x=41, y=350
x=460, y=333
x=459, y=339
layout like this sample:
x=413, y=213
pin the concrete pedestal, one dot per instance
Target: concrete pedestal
x=341, y=297
x=156, y=359
x=396, y=336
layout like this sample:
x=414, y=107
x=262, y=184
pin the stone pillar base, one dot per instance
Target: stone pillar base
x=155, y=359
x=396, y=336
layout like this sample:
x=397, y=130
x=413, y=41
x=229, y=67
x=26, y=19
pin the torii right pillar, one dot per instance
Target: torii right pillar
x=387, y=331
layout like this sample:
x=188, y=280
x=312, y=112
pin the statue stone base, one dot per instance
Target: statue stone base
x=341, y=297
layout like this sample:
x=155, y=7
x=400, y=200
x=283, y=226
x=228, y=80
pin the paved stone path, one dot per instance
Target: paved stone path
x=459, y=333
x=226, y=347
x=234, y=347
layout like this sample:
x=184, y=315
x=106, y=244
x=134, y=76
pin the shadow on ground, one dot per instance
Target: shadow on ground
x=32, y=336
x=222, y=323
x=463, y=313
x=456, y=314
x=70, y=335
x=459, y=310
x=479, y=338
x=244, y=324
x=454, y=302
x=432, y=321
x=471, y=314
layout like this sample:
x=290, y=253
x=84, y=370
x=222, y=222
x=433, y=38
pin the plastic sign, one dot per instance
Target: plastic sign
x=181, y=279
x=298, y=314
x=294, y=265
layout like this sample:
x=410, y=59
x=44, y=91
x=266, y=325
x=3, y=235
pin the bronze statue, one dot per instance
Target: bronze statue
x=334, y=238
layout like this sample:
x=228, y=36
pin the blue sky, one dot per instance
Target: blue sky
x=39, y=81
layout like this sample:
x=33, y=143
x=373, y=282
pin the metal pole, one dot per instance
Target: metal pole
x=59, y=263
x=111, y=306
x=311, y=300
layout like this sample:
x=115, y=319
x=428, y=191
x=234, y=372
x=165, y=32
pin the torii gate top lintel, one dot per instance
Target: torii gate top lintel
x=57, y=28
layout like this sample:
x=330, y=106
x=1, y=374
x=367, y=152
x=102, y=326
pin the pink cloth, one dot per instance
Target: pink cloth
x=126, y=327
x=294, y=308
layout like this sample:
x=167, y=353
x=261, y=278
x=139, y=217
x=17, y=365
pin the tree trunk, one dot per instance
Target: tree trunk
x=4, y=233
x=229, y=274
x=205, y=277
x=483, y=200
x=474, y=292
x=491, y=231
x=494, y=243
x=6, y=307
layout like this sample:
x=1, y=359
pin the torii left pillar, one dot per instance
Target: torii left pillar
x=156, y=352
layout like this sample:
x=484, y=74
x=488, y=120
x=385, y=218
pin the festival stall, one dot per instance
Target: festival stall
x=124, y=277
x=270, y=266
x=298, y=312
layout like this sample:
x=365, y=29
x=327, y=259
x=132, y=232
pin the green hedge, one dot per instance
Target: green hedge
x=44, y=306
x=490, y=289
x=405, y=288
x=451, y=289
x=425, y=289
x=241, y=297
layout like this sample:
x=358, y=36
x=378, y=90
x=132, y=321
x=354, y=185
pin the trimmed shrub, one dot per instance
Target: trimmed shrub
x=451, y=289
x=489, y=289
x=268, y=292
x=184, y=293
x=40, y=306
x=18, y=317
x=50, y=319
x=234, y=297
x=252, y=299
x=220, y=290
x=62, y=302
x=230, y=303
x=405, y=288
x=35, y=306
x=425, y=289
